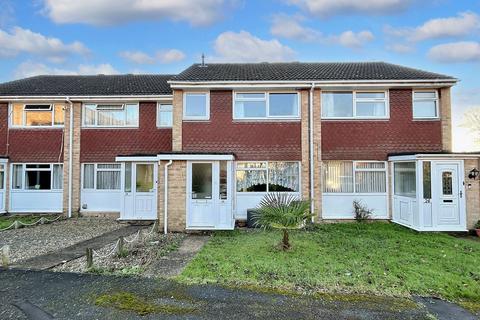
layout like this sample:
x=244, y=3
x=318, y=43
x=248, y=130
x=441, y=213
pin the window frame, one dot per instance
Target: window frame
x=95, y=170
x=159, y=107
x=436, y=100
x=24, y=116
x=24, y=171
x=123, y=104
x=267, y=105
x=354, y=104
x=267, y=169
x=354, y=182
x=207, y=101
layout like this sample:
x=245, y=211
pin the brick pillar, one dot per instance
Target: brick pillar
x=317, y=152
x=304, y=98
x=472, y=194
x=177, y=197
x=177, y=120
x=446, y=118
x=76, y=158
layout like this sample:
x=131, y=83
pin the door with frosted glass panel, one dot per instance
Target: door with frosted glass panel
x=201, y=205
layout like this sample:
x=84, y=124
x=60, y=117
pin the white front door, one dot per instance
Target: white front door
x=140, y=200
x=448, y=196
x=209, y=195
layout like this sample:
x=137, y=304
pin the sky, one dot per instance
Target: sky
x=165, y=36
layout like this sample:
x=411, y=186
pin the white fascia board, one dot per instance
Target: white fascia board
x=88, y=98
x=434, y=156
x=197, y=157
x=136, y=159
x=3, y=160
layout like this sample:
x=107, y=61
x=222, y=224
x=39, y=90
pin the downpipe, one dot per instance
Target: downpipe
x=165, y=197
x=70, y=158
x=311, y=153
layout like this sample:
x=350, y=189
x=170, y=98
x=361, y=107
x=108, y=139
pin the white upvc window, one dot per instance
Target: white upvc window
x=110, y=115
x=266, y=105
x=355, y=177
x=355, y=104
x=37, y=176
x=405, y=179
x=102, y=176
x=196, y=106
x=164, y=115
x=37, y=115
x=268, y=176
x=425, y=104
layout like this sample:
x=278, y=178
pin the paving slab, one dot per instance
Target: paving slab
x=50, y=260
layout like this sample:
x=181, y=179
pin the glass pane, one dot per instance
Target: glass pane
x=59, y=115
x=223, y=181
x=427, y=180
x=201, y=181
x=88, y=176
x=132, y=114
x=128, y=177
x=370, y=95
x=2, y=177
x=370, y=182
x=89, y=116
x=165, y=115
x=108, y=180
x=112, y=166
x=252, y=180
x=196, y=105
x=425, y=109
x=250, y=109
x=57, y=182
x=405, y=179
x=38, y=118
x=283, y=104
x=424, y=95
x=38, y=180
x=283, y=176
x=338, y=177
x=370, y=165
x=144, y=180
x=17, y=176
x=251, y=165
x=258, y=96
x=447, y=183
x=17, y=116
x=371, y=109
x=337, y=104
x=37, y=166
x=111, y=117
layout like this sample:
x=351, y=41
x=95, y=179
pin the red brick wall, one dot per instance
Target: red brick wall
x=248, y=140
x=3, y=128
x=103, y=145
x=374, y=140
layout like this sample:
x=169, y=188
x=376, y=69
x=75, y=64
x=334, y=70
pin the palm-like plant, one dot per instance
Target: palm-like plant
x=282, y=211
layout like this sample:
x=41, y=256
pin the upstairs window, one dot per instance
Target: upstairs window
x=196, y=106
x=37, y=115
x=261, y=105
x=164, y=115
x=355, y=105
x=425, y=104
x=110, y=115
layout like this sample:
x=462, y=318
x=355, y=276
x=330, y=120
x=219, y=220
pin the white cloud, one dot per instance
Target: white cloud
x=463, y=51
x=112, y=12
x=244, y=47
x=400, y=48
x=288, y=27
x=325, y=8
x=21, y=40
x=162, y=56
x=30, y=68
x=453, y=27
x=352, y=39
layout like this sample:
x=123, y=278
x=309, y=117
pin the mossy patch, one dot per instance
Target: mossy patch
x=473, y=306
x=130, y=302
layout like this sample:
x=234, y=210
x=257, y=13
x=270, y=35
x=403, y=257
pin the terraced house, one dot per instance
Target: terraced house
x=198, y=149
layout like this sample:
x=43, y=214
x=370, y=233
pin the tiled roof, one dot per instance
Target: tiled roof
x=94, y=85
x=297, y=71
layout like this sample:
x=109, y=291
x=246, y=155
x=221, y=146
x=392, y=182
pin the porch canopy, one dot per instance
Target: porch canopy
x=429, y=190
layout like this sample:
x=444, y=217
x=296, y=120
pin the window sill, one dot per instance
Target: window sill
x=110, y=128
x=355, y=119
x=267, y=120
x=426, y=119
x=35, y=127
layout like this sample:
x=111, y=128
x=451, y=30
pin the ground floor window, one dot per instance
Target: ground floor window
x=354, y=177
x=404, y=176
x=2, y=176
x=102, y=176
x=37, y=176
x=268, y=176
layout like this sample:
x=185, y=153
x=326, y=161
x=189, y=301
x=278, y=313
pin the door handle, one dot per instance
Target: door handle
x=461, y=194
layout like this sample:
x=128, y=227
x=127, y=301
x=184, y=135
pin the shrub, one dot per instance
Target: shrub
x=477, y=225
x=282, y=211
x=361, y=212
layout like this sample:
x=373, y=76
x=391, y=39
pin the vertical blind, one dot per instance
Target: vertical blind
x=354, y=177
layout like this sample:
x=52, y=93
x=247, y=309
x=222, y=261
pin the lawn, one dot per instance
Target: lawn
x=6, y=221
x=378, y=258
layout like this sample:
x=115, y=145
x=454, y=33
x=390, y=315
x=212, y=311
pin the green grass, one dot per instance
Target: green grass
x=6, y=221
x=375, y=258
